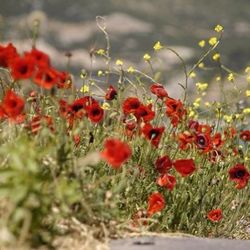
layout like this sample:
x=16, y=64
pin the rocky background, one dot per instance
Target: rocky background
x=133, y=26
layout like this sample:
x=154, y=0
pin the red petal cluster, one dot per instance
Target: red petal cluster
x=245, y=135
x=111, y=93
x=116, y=152
x=184, y=166
x=166, y=180
x=153, y=134
x=158, y=90
x=156, y=203
x=12, y=107
x=240, y=175
x=215, y=215
x=175, y=111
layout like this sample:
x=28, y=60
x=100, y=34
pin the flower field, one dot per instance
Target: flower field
x=130, y=159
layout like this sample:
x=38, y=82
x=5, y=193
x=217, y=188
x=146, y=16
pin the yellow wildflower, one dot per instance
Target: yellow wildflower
x=247, y=69
x=216, y=57
x=246, y=111
x=192, y=75
x=158, y=46
x=207, y=104
x=218, y=28
x=131, y=69
x=228, y=118
x=248, y=79
x=196, y=103
x=100, y=52
x=230, y=77
x=106, y=106
x=99, y=73
x=146, y=57
x=202, y=43
x=248, y=93
x=191, y=113
x=201, y=65
x=119, y=62
x=237, y=116
x=84, y=89
x=201, y=86
x=212, y=41
x=218, y=78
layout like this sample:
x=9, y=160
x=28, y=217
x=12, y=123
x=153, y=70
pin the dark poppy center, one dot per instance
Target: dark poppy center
x=153, y=134
x=134, y=105
x=23, y=69
x=239, y=173
x=48, y=78
x=174, y=106
x=77, y=107
x=95, y=112
x=143, y=113
x=201, y=140
x=12, y=103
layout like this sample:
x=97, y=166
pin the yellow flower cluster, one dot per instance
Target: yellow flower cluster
x=84, y=89
x=202, y=43
x=216, y=57
x=201, y=86
x=146, y=57
x=218, y=28
x=230, y=77
x=130, y=70
x=119, y=62
x=158, y=46
x=213, y=40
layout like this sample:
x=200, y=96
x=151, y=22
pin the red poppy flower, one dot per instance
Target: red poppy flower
x=185, y=139
x=215, y=215
x=158, y=90
x=184, y=166
x=175, y=111
x=145, y=113
x=163, y=164
x=39, y=120
x=240, y=175
x=217, y=140
x=7, y=55
x=245, y=135
x=12, y=105
x=153, y=134
x=41, y=59
x=116, y=152
x=166, y=180
x=130, y=105
x=64, y=80
x=78, y=108
x=203, y=142
x=193, y=125
x=22, y=68
x=204, y=129
x=77, y=139
x=156, y=203
x=64, y=108
x=111, y=93
x=46, y=78
x=130, y=129
x=95, y=112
